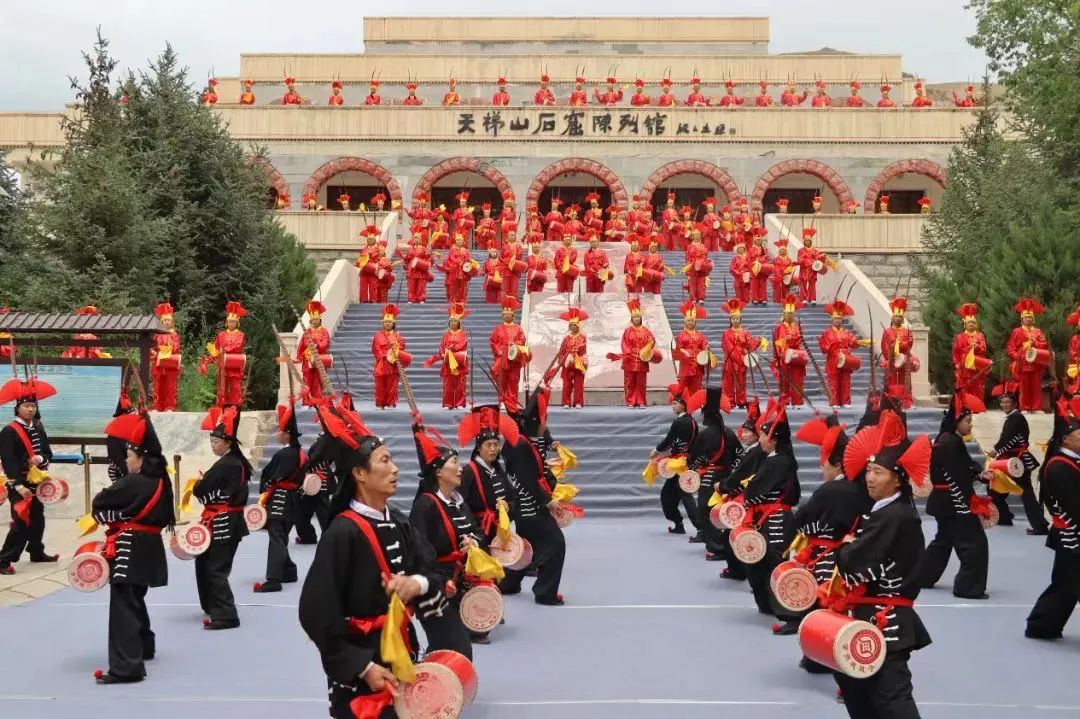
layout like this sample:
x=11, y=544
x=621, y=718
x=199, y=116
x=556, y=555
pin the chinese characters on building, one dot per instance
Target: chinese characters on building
x=579, y=123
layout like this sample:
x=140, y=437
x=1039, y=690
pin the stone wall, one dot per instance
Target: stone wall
x=884, y=270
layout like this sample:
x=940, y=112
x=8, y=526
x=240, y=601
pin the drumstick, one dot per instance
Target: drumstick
x=813, y=361
x=873, y=359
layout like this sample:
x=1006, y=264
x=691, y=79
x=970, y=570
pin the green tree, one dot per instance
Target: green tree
x=152, y=198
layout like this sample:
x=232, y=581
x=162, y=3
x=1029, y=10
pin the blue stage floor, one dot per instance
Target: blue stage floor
x=649, y=631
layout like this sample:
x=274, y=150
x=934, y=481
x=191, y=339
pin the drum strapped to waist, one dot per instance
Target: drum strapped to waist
x=847, y=361
x=515, y=553
x=168, y=364
x=481, y=607
x=796, y=357
x=844, y=644
x=89, y=570
x=690, y=481
x=1038, y=357
x=751, y=360
x=234, y=363
x=1013, y=466
x=817, y=266
x=190, y=541
x=794, y=586
x=652, y=276
x=446, y=683
x=52, y=490
x=255, y=517
x=746, y=276
x=420, y=265
x=730, y=513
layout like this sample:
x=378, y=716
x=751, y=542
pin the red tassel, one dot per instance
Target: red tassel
x=371, y=706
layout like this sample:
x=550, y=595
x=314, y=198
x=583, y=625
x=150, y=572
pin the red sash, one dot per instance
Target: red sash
x=858, y=597
x=210, y=511
x=290, y=483
x=367, y=625
x=756, y=514
x=540, y=468
x=24, y=437
x=455, y=556
x=115, y=530
x=487, y=517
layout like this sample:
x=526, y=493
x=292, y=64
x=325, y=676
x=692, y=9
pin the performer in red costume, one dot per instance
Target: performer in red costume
x=1030, y=354
x=458, y=266
x=615, y=229
x=508, y=219
x=418, y=262
x=696, y=98
x=501, y=98
x=730, y=99
x=921, y=99
x=783, y=280
x=789, y=354
x=463, y=219
x=572, y=225
x=335, y=99
x=639, y=98
x=509, y=352
x=710, y=225
x=544, y=96
x=692, y=348
x=611, y=96
x=697, y=268
x=536, y=272
x=492, y=270
x=855, y=99
x=597, y=266
x=739, y=346
x=969, y=353
x=388, y=351
x=210, y=97
x=227, y=353
x=896, y=343
x=669, y=220
x=566, y=269
x=1072, y=363
x=368, y=262
x=579, y=98
x=291, y=96
x=760, y=266
x=165, y=360
x=553, y=221
x=247, y=97
x=886, y=101
x=740, y=273
x=821, y=96
x=812, y=262
x=454, y=357
x=791, y=97
x=652, y=279
x=638, y=351
x=512, y=264
x=534, y=226
x=487, y=229
x=634, y=268
x=763, y=99
x=573, y=359
x=422, y=216
x=666, y=99
x=314, y=347
x=373, y=96
x=411, y=99
x=593, y=219
x=837, y=344
x=85, y=351
x=968, y=100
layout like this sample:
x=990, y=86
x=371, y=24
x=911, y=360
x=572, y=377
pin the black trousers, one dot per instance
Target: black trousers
x=212, y=569
x=758, y=577
x=130, y=638
x=279, y=566
x=1055, y=605
x=670, y=497
x=965, y=534
x=22, y=537
x=306, y=506
x=714, y=541
x=549, y=553
x=885, y=695
x=447, y=631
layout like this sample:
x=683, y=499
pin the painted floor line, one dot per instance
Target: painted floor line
x=747, y=607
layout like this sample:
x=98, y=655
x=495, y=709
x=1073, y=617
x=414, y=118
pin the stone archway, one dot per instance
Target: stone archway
x=691, y=167
x=351, y=164
x=277, y=180
x=820, y=170
x=927, y=168
x=462, y=164
x=578, y=164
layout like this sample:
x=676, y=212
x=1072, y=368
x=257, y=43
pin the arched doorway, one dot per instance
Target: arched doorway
x=481, y=190
x=798, y=181
x=357, y=177
x=571, y=180
x=276, y=185
x=906, y=183
x=691, y=181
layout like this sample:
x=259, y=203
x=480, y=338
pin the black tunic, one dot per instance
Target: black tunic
x=527, y=473
x=225, y=483
x=13, y=456
x=713, y=453
x=284, y=466
x=140, y=556
x=680, y=436
x=746, y=467
x=885, y=557
x=483, y=486
x=345, y=582
x=1014, y=439
x=1061, y=495
x=830, y=514
x=953, y=475
x=427, y=522
x=776, y=481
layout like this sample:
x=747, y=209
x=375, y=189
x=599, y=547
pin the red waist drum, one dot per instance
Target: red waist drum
x=234, y=362
x=850, y=646
x=748, y=545
x=446, y=683
x=168, y=364
x=794, y=586
x=89, y=570
x=190, y=541
x=848, y=362
x=52, y=491
x=481, y=608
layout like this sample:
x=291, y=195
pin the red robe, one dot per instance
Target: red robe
x=165, y=377
x=697, y=99
x=897, y=342
x=791, y=377
x=318, y=339
x=763, y=101
x=740, y=266
x=639, y=99
x=508, y=222
x=375, y=99
x=807, y=277
x=486, y=233
x=922, y=101
x=544, y=96
x=635, y=372
x=1073, y=365
x=335, y=101
x=464, y=222
x=698, y=267
x=737, y=344
x=453, y=381
x=653, y=277
x=231, y=378
x=247, y=98
x=633, y=266
x=565, y=268
x=667, y=100
x=792, y=99
x=573, y=379
x=369, y=281
x=593, y=219
x=886, y=102
x=609, y=98
x=855, y=101
x=781, y=265
x=688, y=344
x=509, y=256
x=553, y=221
x=493, y=280
x=730, y=100
x=536, y=273
x=579, y=98
x=387, y=372
x=412, y=101
x=834, y=342
x=821, y=101
x=500, y=98
x=1026, y=374
x=966, y=379
x=595, y=260
x=505, y=371
x=671, y=227
x=456, y=281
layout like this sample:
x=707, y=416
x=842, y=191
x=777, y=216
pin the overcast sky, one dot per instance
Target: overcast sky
x=43, y=39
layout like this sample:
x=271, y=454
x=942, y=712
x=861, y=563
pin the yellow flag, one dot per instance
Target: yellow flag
x=797, y=545
x=569, y=459
x=211, y=349
x=451, y=362
x=579, y=363
x=392, y=647
x=502, y=529
x=676, y=464
x=566, y=264
x=716, y=499
x=969, y=359
x=36, y=475
x=479, y=563
x=185, y=496
x=649, y=474
x=564, y=492
x=86, y=525
x=1003, y=483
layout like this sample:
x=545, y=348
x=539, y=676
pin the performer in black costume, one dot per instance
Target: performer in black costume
x=116, y=448
x=883, y=559
x=1060, y=490
x=24, y=444
x=440, y=517
x=750, y=458
x=770, y=496
x=223, y=491
x=281, y=479
x=484, y=481
x=368, y=553
x=136, y=508
x=677, y=443
x=712, y=455
x=1013, y=442
x=955, y=506
x=526, y=469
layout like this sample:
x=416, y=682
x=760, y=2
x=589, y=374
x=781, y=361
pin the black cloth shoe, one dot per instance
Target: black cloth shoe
x=289, y=580
x=43, y=558
x=786, y=629
x=811, y=667
x=215, y=624
x=1037, y=532
x=697, y=538
x=6, y=569
x=972, y=596
x=270, y=585
x=306, y=541
x=677, y=529
x=507, y=590
x=479, y=638
x=1035, y=634
x=556, y=601
x=106, y=678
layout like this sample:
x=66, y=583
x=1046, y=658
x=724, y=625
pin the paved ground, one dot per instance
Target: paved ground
x=649, y=631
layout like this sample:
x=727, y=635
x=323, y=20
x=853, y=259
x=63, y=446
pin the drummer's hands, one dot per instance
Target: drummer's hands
x=37, y=460
x=849, y=538
x=406, y=588
x=986, y=475
x=653, y=453
x=377, y=677
x=24, y=492
x=468, y=542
